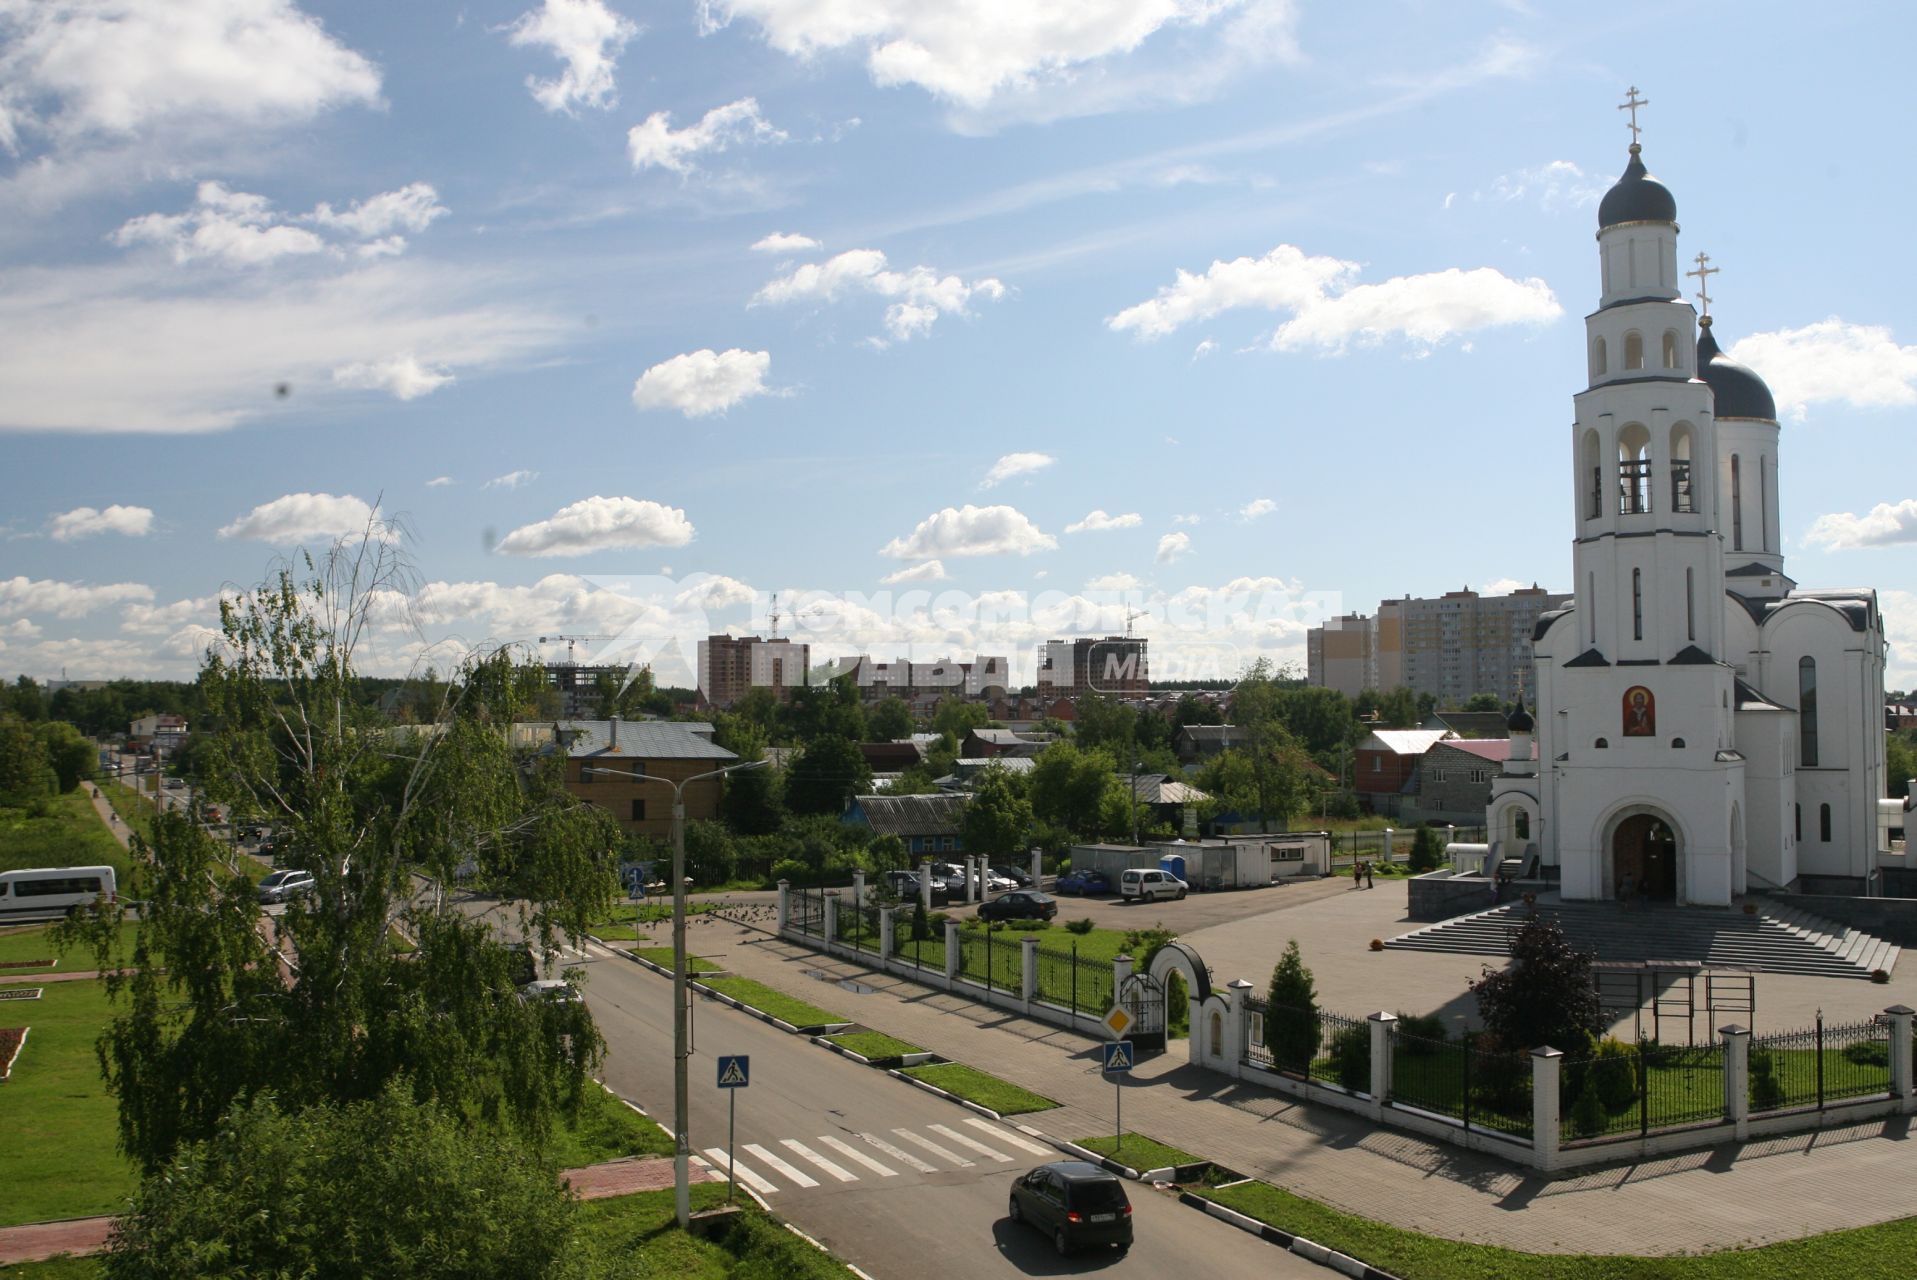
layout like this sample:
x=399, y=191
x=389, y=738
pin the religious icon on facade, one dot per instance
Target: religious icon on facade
x=1640, y=712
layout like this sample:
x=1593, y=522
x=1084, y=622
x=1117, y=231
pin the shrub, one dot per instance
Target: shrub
x=1080, y=927
x=1351, y=1057
x=1427, y=851
x=1766, y=1093
x=1868, y=1053
x=1587, y=1113
x=790, y=869
x=1546, y=995
x=1291, y=1023
x=1613, y=1073
x=1427, y=1026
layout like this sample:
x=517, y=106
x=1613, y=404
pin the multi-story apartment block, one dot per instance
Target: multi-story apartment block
x=1115, y=666
x=1450, y=647
x=730, y=666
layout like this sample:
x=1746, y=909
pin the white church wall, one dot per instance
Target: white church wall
x=1764, y=739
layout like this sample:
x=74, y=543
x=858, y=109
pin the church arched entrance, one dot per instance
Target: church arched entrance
x=1644, y=858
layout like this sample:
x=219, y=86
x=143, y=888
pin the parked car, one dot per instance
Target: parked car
x=278, y=886
x=1149, y=885
x=953, y=875
x=905, y=886
x=996, y=883
x=1083, y=882
x=1019, y=904
x=1023, y=879
x=1075, y=1203
x=555, y=990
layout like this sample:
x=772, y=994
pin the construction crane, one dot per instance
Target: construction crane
x=1131, y=616
x=571, y=641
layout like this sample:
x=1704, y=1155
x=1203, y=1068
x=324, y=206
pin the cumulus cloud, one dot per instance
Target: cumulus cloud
x=1114, y=582
x=929, y=571
x=76, y=69
x=85, y=522
x=655, y=144
x=403, y=375
x=1856, y=364
x=243, y=229
x=703, y=382
x=439, y=482
x=1558, y=184
x=167, y=619
x=1328, y=309
x=971, y=531
x=1096, y=521
x=1015, y=464
x=1501, y=587
x=1257, y=507
x=1190, y=518
x=511, y=480
x=65, y=599
x=586, y=36
x=786, y=242
x=1884, y=525
x=1172, y=546
x=714, y=591
x=413, y=207
x=919, y=295
x=302, y=517
x=600, y=524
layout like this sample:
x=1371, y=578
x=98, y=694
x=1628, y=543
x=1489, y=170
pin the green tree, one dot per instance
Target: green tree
x=752, y=803
x=830, y=710
x=1076, y=790
x=1544, y=997
x=25, y=773
x=25, y=698
x=1900, y=763
x=957, y=717
x=322, y=1007
x=1427, y=851
x=827, y=774
x=1319, y=719
x=1105, y=722
x=70, y=755
x=999, y=817
x=1291, y=1021
x=382, y=1187
x=1394, y=708
x=890, y=720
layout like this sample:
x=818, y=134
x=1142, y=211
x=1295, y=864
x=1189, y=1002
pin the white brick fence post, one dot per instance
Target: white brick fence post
x=951, y=950
x=888, y=934
x=785, y=904
x=1737, y=1078
x=1028, y=970
x=1237, y=1026
x=1038, y=867
x=831, y=917
x=858, y=890
x=1899, y=1016
x=925, y=885
x=1547, y=1067
x=1382, y=1025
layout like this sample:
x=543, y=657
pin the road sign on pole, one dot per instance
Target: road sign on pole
x=1118, y=1020
x=735, y=1071
x=1118, y=1056
x=1118, y=1065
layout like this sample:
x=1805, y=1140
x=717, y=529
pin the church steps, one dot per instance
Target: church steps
x=1778, y=940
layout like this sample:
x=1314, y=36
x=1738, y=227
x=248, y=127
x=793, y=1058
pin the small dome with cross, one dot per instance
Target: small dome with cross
x=1636, y=197
x=1737, y=391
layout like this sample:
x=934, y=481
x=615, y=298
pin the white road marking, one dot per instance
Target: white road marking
x=853, y=1153
x=903, y=1157
x=739, y=1172
x=964, y=1141
x=1005, y=1136
x=779, y=1166
x=837, y=1171
x=951, y=1156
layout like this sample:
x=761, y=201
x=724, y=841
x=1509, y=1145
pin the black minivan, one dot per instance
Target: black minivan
x=1075, y=1203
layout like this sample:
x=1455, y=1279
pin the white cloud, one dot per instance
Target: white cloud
x=600, y=524
x=440, y=482
x=1501, y=587
x=971, y=531
x=302, y=517
x=1096, y=521
x=1190, y=518
x=1114, y=582
x=1203, y=349
x=1856, y=364
x=656, y=144
x=166, y=619
x=1558, y=184
x=929, y=571
x=413, y=207
x=786, y=242
x=920, y=294
x=1884, y=525
x=65, y=599
x=85, y=522
x=112, y=68
x=403, y=375
x=1172, y=546
x=714, y=591
x=1015, y=464
x=1328, y=309
x=586, y=36
x=703, y=382
x=511, y=480
x=241, y=229
x=1257, y=507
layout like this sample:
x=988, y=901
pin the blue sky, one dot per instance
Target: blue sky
x=1233, y=311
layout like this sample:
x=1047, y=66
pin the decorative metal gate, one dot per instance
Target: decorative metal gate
x=808, y=911
x=1144, y=998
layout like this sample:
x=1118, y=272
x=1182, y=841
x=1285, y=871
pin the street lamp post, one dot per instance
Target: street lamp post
x=681, y=1140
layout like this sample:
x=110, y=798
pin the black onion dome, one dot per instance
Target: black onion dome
x=1636, y=197
x=1738, y=392
x=1520, y=721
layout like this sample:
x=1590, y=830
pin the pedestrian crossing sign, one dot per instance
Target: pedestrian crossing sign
x=735, y=1071
x=1118, y=1057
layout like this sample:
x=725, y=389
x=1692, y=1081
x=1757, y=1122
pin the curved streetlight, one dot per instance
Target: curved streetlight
x=681, y=1142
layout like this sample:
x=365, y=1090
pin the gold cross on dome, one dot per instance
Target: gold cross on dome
x=1704, y=273
x=1631, y=103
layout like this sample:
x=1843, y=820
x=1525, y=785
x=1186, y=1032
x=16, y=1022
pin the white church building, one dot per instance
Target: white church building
x=1704, y=728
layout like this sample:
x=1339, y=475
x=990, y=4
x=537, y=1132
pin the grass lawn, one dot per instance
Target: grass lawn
x=1867, y=1253
x=59, y=1158
x=606, y=1129
x=70, y=834
x=1137, y=1151
x=61, y=1268
x=874, y=1044
x=780, y=1006
x=1006, y=963
x=135, y=808
x=694, y=964
x=974, y=1085
x=30, y=942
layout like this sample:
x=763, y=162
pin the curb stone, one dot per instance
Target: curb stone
x=824, y=1028
x=1310, y=1250
x=949, y=1096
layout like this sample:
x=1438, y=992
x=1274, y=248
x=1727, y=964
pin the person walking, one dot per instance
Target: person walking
x=1368, y=881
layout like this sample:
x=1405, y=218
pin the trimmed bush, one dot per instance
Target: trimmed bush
x=1351, y=1057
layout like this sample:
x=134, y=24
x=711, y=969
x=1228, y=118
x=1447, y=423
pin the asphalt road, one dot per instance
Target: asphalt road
x=921, y=1184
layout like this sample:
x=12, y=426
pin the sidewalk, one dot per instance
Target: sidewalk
x=1776, y=1189
x=40, y=1240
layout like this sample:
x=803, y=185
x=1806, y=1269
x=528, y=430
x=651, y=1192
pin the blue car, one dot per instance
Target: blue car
x=1083, y=882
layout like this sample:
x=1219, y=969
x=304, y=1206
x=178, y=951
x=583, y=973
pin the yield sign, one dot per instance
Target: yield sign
x=1118, y=1020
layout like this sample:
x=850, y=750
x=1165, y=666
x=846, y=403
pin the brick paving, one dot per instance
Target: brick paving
x=1764, y=1191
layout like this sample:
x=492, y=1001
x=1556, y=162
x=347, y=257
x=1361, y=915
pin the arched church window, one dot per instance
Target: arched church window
x=1634, y=470
x=1600, y=359
x=1670, y=349
x=1682, y=498
x=1823, y=823
x=1593, y=464
x=1602, y=744
x=1690, y=604
x=1637, y=604
x=1633, y=350
x=1763, y=503
x=1797, y=821
x=1677, y=744
x=1807, y=712
x=1523, y=824
x=1737, y=505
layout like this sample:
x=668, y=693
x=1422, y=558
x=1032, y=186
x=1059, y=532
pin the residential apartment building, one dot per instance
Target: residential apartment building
x=1343, y=654
x=1451, y=646
x=627, y=768
x=731, y=666
x=1115, y=666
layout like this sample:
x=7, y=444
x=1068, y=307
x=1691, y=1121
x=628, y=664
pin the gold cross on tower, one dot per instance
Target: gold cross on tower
x=1631, y=103
x=1704, y=273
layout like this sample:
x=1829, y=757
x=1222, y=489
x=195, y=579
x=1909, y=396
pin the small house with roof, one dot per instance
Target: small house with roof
x=626, y=768
x=926, y=824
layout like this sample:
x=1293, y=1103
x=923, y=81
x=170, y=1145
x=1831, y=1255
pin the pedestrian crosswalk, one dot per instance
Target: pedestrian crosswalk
x=802, y=1162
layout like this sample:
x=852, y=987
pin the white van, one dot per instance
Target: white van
x=1150, y=885
x=48, y=891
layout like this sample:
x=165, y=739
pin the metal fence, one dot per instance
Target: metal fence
x=1457, y=1078
x=1344, y=1053
x=1080, y=984
x=992, y=958
x=1351, y=846
x=859, y=926
x=1819, y=1064
x=1629, y=1090
x=808, y=911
